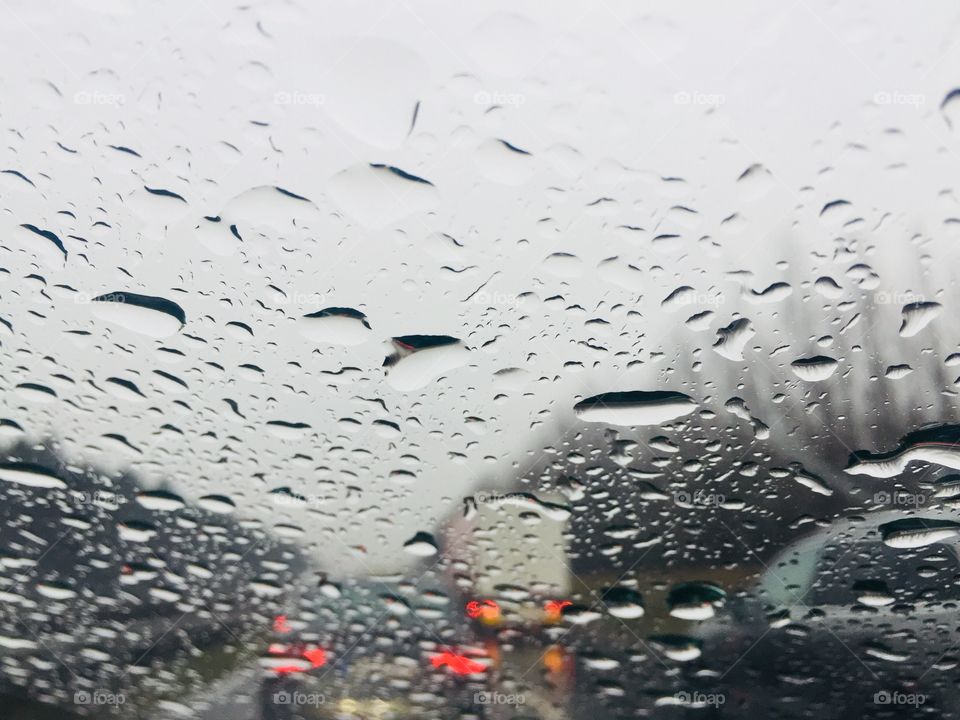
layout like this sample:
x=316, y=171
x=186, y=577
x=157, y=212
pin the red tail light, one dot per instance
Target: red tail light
x=459, y=664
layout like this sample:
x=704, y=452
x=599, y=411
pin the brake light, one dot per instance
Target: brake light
x=459, y=664
x=483, y=610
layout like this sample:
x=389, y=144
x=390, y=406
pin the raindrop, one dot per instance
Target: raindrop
x=421, y=545
x=635, y=407
x=154, y=317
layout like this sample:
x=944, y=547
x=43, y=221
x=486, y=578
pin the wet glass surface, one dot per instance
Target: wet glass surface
x=427, y=360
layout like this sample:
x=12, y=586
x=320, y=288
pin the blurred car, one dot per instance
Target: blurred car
x=855, y=624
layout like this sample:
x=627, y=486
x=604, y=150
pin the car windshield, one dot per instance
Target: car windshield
x=498, y=360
